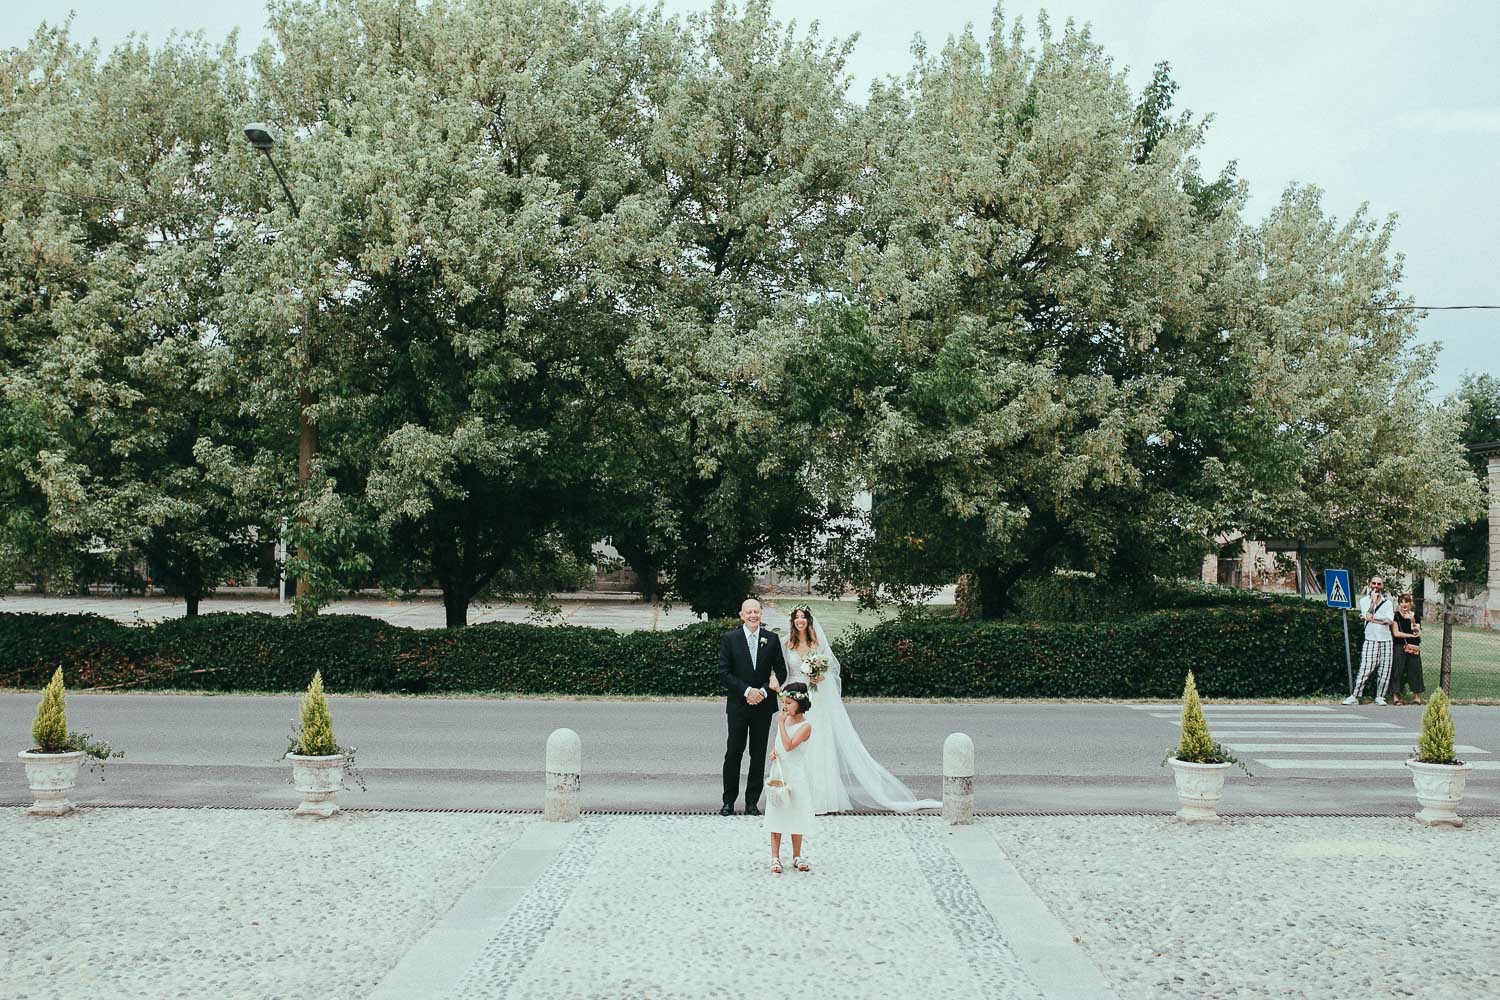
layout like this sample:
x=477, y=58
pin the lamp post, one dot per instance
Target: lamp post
x=259, y=135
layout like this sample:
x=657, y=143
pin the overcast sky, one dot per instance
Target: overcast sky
x=1391, y=103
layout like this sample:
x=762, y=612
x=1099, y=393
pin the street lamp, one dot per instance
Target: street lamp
x=260, y=137
x=258, y=134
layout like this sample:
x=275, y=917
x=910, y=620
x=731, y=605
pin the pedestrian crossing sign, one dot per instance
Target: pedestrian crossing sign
x=1336, y=583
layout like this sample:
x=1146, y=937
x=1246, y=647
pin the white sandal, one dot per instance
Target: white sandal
x=776, y=865
x=800, y=865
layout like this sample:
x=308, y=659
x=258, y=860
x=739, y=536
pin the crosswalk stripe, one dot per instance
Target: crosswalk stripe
x=1265, y=709
x=1357, y=765
x=1244, y=708
x=1214, y=714
x=1342, y=734
x=1335, y=748
x=1321, y=733
x=1350, y=722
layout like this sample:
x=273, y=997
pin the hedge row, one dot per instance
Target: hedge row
x=1078, y=597
x=258, y=652
x=1275, y=649
x=1278, y=649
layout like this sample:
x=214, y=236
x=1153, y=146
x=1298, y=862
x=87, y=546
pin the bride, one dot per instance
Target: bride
x=839, y=768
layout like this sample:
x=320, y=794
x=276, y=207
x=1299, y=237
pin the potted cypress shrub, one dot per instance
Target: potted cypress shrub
x=318, y=762
x=1199, y=765
x=52, y=765
x=1438, y=775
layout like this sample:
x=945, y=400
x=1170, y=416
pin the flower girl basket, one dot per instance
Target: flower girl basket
x=777, y=792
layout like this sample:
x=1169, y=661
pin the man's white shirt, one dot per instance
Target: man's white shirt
x=752, y=640
x=1385, y=615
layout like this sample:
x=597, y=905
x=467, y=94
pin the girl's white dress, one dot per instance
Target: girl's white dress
x=798, y=816
x=838, y=766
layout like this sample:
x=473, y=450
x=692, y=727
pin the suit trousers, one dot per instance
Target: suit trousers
x=747, y=724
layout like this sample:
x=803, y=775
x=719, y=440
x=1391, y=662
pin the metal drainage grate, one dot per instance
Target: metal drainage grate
x=980, y=814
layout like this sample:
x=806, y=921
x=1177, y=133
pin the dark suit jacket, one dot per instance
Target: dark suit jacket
x=735, y=668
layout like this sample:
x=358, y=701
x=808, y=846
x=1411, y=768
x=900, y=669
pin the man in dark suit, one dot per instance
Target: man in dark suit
x=753, y=670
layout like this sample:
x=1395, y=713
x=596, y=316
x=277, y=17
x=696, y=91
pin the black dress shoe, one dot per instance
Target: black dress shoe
x=726, y=811
x=751, y=811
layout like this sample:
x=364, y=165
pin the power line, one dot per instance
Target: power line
x=1424, y=308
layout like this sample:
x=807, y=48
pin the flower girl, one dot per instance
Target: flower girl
x=788, y=805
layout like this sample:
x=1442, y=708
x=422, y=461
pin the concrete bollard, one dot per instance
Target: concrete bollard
x=564, y=766
x=958, y=779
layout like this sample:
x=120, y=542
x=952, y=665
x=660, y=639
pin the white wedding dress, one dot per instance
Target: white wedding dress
x=838, y=767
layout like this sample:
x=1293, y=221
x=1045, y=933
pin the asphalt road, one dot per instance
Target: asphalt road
x=209, y=750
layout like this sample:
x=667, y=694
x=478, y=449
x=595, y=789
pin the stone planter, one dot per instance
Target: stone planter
x=1199, y=788
x=51, y=776
x=318, y=779
x=1440, y=788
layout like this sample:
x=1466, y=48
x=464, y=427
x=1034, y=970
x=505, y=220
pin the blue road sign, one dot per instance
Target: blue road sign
x=1336, y=583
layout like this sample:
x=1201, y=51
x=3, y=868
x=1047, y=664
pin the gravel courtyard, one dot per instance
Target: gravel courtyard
x=1320, y=907
x=217, y=903
x=224, y=903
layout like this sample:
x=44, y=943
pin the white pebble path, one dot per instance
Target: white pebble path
x=228, y=904
x=1316, y=907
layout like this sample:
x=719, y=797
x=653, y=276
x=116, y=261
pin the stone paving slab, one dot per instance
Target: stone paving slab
x=433, y=965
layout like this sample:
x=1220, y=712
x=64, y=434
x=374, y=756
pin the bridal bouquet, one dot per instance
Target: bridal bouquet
x=815, y=666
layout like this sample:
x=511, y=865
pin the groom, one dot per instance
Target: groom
x=749, y=657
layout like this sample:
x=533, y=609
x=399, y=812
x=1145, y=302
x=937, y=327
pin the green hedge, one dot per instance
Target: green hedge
x=258, y=652
x=1274, y=649
x=1080, y=597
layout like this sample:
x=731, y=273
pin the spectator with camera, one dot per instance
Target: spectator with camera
x=1378, y=614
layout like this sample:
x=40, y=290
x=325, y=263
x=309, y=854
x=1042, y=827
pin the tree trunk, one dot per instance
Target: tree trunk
x=307, y=450
x=192, y=605
x=650, y=583
x=455, y=608
x=1445, y=663
x=994, y=592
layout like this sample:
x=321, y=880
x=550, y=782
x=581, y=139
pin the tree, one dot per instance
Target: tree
x=1079, y=356
x=467, y=194
x=750, y=153
x=37, y=270
x=116, y=418
x=1468, y=542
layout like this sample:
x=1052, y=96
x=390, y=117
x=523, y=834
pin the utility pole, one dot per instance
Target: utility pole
x=258, y=134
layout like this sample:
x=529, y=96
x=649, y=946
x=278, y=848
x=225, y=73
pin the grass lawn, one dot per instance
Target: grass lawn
x=1476, y=661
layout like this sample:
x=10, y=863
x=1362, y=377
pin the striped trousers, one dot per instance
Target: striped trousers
x=1374, y=657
